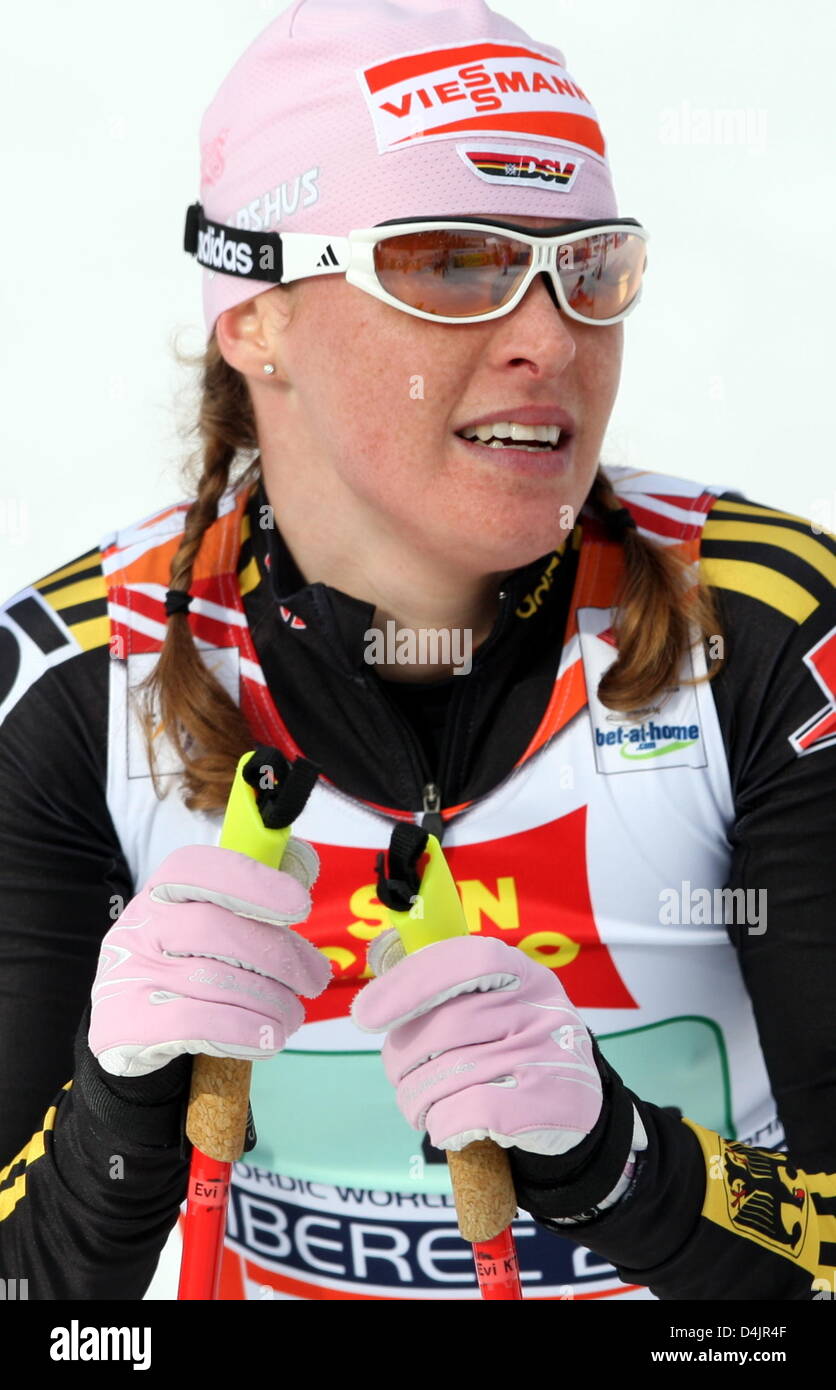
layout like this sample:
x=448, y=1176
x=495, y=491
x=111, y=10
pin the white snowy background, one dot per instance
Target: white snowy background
x=719, y=121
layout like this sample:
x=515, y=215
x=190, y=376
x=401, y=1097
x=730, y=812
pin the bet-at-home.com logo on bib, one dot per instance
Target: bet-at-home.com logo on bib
x=671, y=736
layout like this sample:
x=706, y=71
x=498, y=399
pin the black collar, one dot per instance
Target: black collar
x=344, y=620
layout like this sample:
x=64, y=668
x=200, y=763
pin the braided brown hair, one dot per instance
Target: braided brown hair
x=657, y=604
x=204, y=724
x=209, y=730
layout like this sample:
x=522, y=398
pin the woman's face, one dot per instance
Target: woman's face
x=375, y=396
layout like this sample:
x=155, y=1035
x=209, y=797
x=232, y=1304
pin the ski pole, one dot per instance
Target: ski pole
x=257, y=822
x=423, y=910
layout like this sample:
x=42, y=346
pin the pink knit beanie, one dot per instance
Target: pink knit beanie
x=346, y=113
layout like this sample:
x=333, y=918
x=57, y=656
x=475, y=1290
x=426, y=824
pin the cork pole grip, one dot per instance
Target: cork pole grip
x=216, y=1120
x=483, y=1188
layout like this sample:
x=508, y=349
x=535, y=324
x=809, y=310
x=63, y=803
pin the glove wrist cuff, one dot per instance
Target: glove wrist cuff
x=159, y=1123
x=563, y=1185
x=148, y=1110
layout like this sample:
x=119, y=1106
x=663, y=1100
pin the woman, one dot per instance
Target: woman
x=615, y=749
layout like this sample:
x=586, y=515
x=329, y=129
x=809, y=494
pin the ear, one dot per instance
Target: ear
x=250, y=334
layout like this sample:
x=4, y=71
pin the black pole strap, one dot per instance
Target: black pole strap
x=288, y=786
x=397, y=888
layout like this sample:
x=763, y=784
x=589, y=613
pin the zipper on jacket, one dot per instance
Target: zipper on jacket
x=429, y=789
x=432, y=819
x=405, y=735
x=429, y=786
x=451, y=744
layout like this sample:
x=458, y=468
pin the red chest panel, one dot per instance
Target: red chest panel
x=529, y=888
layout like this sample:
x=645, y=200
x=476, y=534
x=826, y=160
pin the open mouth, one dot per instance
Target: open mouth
x=538, y=439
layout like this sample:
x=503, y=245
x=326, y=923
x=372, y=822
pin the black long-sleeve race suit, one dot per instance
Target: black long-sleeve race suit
x=72, y=1234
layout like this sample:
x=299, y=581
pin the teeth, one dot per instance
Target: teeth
x=508, y=429
x=523, y=448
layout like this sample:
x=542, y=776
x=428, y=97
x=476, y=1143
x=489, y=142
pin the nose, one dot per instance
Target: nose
x=552, y=330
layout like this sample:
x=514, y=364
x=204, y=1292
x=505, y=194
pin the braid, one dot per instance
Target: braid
x=656, y=608
x=204, y=724
x=214, y=481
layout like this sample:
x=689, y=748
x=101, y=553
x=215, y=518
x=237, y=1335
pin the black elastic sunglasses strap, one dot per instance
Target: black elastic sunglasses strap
x=232, y=250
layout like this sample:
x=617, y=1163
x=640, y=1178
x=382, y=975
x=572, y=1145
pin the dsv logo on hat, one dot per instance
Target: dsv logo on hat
x=224, y=253
x=501, y=164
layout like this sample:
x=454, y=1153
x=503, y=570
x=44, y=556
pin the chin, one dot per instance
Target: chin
x=517, y=531
x=502, y=551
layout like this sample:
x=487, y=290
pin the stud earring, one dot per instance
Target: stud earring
x=269, y=368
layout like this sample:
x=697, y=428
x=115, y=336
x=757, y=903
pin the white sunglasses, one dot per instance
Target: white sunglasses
x=449, y=270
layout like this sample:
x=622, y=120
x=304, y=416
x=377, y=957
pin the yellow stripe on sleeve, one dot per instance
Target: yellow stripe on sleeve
x=66, y=571
x=813, y=552
x=760, y=582
x=750, y=509
x=91, y=632
x=13, y=1184
x=84, y=591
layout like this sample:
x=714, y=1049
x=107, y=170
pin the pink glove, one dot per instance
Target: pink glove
x=203, y=959
x=484, y=1043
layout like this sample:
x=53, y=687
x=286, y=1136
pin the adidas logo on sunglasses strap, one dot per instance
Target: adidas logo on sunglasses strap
x=231, y=250
x=224, y=252
x=328, y=257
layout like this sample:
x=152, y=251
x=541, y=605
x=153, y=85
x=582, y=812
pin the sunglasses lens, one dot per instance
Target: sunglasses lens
x=457, y=274
x=601, y=275
x=466, y=273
